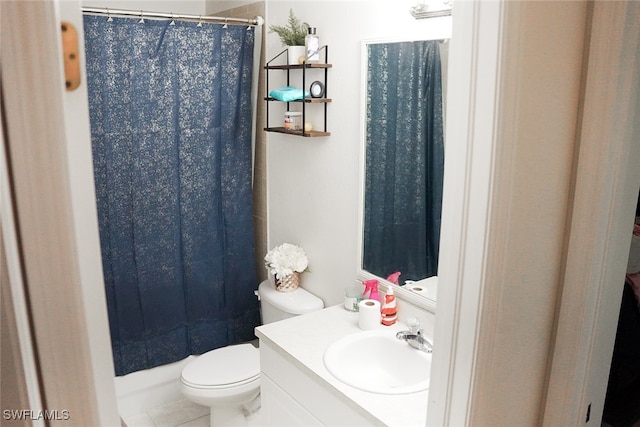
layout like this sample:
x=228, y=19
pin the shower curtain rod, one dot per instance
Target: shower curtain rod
x=163, y=15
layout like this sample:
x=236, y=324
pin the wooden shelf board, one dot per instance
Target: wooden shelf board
x=307, y=100
x=313, y=133
x=296, y=66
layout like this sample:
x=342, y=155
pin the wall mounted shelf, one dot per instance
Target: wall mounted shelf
x=301, y=71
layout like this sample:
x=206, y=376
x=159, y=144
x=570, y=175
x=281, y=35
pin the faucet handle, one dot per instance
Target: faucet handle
x=414, y=325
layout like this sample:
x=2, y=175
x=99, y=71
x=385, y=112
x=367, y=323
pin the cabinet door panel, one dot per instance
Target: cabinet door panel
x=280, y=409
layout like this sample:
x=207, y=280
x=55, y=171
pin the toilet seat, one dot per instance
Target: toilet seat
x=225, y=367
x=220, y=386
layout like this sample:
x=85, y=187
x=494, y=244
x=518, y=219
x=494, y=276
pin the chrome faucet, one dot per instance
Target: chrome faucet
x=414, y=336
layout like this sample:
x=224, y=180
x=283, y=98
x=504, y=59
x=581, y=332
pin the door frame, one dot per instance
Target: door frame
x=582, y=325
x=48, y=152
x=607, y=176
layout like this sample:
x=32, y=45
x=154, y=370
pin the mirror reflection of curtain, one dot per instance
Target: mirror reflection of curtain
x=404, y=159
x=171, y=128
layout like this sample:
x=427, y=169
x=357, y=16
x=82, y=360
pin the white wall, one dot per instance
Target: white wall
x=312, y=183
x=188, y=7
x=213, y=7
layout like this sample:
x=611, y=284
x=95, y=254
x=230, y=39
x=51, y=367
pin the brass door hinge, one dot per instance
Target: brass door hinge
x=71, y=58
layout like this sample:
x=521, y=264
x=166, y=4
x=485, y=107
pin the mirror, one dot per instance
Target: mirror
x=403, y=147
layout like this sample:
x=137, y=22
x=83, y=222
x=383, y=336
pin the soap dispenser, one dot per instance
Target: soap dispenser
x=389, y=311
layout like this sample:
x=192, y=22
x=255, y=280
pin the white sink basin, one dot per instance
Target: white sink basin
x=378, y=362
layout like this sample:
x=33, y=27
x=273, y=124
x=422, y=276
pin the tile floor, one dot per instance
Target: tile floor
x=182, y=413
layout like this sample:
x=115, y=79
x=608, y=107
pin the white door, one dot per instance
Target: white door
x=49, y=153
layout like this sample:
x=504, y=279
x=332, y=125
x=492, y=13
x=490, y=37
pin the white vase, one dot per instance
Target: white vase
x=294, y=53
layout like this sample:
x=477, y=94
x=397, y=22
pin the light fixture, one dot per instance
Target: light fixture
x=431, y=8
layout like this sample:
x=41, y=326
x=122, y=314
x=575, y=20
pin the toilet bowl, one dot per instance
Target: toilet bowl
x=227, y=379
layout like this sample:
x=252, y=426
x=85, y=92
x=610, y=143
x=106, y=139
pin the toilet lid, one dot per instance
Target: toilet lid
x=296, y=302
x=226, y=365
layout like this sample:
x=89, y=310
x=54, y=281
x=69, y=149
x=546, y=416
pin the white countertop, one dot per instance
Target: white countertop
x=304, y=339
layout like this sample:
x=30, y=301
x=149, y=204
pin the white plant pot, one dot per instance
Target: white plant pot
x=293, y=53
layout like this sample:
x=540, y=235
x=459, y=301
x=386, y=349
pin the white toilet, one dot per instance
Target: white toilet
x=227, y=379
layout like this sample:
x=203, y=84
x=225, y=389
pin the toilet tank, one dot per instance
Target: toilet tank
x=277, y=305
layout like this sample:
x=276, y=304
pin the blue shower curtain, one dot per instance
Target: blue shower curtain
x=405, y=159
x=170, y=109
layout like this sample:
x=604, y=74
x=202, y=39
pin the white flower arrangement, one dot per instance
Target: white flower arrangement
x=283, y=260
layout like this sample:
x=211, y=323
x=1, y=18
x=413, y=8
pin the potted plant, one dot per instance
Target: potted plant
x=286, y=262
x=292, y=35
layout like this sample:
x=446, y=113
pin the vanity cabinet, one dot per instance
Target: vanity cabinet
x=291, y=397
x=298, y=390
x=299, y=76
